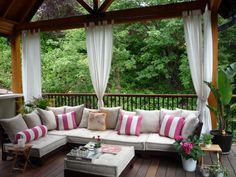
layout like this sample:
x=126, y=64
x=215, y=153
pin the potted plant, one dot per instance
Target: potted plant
x=190, y=151
x=218, y=170
x=97, y=145
x=205, y=171
x=206, y=140
x=224, y=108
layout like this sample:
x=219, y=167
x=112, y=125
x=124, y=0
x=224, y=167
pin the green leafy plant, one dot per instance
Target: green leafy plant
x=223, y=94
x=206, y=138
x=189, y=148
x=97, y=142
x=217, y=168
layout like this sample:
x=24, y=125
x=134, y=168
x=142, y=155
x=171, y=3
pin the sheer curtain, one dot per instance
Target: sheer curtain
x=199, y=52
x=31, y=65
x=99, y=41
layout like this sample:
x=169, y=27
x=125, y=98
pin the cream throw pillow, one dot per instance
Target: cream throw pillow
x=97, y=121
x=84, y=119
x=48, y=119
x=32, y=119
x=78, y=112
x=190, y=123
x=112, y=116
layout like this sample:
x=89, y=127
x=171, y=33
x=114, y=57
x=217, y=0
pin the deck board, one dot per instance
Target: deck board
x=147, y=166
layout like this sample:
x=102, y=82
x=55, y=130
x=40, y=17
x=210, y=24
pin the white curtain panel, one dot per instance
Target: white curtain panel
x=31, y=65
x=199, y=52
x=99, y=41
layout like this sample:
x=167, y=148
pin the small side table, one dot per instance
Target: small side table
x=20, y=152
x=214, y=148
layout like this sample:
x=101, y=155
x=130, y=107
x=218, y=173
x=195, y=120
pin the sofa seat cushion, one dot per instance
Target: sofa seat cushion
x=60, y=132
x=137, y=141
x=83, y=135
x=46, y=144
x=155, y=142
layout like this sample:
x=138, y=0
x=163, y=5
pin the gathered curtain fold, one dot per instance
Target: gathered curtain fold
x=199, y=50
x=99, y=42
x=31, y=65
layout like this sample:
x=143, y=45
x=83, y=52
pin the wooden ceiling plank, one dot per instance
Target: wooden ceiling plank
x=119, y=16
x=6, y=26
x=9, y=8
x=105, y=5
x=86, y=6
x=27, y=12
x=214, y=5
x=96, y=4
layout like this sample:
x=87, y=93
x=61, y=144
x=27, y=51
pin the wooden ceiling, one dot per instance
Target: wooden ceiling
x=15, y=15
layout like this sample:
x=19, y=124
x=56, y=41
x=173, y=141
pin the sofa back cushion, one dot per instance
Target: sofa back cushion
x=175, y=113
x=150, y=122
x=78, y=112
x=32, y=119
x=130, y=125
x=190, y=124
x=112, y=116
x=13, y=125
x=57, y=110
x=171, y=126
x=97, y=121
x=66, y=121
x=123, y=112
x=48, y=118
x=32, y=134
x=85, y=115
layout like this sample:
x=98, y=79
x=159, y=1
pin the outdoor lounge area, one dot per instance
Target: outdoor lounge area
x=105, y=130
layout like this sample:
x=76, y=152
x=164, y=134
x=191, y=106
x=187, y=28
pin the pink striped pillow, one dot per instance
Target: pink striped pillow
x=32, y=134
x=130, y=125
x=66, y=121
x=171, y=126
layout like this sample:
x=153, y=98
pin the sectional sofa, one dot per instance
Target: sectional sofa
x=81, y=132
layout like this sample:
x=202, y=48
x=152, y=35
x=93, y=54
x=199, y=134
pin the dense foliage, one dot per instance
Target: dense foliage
x=148, y=57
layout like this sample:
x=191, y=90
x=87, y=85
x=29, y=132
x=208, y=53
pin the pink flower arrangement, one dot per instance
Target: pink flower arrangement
x=188, y=148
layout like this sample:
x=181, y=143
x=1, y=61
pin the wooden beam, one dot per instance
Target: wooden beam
x=6, y=26
x=105, y=5
x=119, y=16
x=9, y=8
x=16, y=63
x=34, y=9
x=214, y=5
x=86, y=6
x=212, y=101
x=96, y=4
x=29, y=9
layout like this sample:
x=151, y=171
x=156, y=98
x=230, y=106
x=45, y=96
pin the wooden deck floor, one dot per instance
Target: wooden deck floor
x=153, y=166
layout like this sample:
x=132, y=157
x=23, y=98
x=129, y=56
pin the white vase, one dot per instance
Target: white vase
x=220, y=175
x=189, y=165
x=207, y=145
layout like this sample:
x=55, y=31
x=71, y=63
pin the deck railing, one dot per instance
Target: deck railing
x=126, y=101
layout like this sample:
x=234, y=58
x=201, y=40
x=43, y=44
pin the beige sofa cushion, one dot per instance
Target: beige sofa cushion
x=78, y=112
x=112, y=116
x=150, y=122
x=97, y=121
x=32, y=119
x=48, y=118
x=185, y=113
x=175, y=113
x=155, y=142
x=13, y=125
x=122, y=112
x=84, y=120
x=190, y=124
x=137, y=141
x=57, y=110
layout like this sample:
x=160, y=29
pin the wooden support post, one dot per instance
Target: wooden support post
x=16, y=63
x=212, y=101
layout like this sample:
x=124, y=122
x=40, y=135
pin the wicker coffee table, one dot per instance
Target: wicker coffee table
x=107, y=164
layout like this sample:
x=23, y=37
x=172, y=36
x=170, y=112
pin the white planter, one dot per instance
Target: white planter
x=21, y=143
x=220, y=175
x=189, y=165
x=207, y=145
x=205, y=172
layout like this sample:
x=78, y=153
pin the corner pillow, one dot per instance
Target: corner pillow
x=48, y=119
x=84, y=119
x=175, y=113
x=78, y=112
x=112, y=116
x=66, y=121
x=150, y=122
x=190, y=124
x=13, y=125
x=97, y=121
x=130, y=125
x=57, y=110
x=32, y=119
x=185, y=112
x=123, y=112
x=171, y=126
x=32, y=134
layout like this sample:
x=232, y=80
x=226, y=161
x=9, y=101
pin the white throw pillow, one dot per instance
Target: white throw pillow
x=112, y=116
x=185, y=112
x=190, y=123
x=57, y=110
x=150, y=122
x=32, y=119
x=48, y=118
